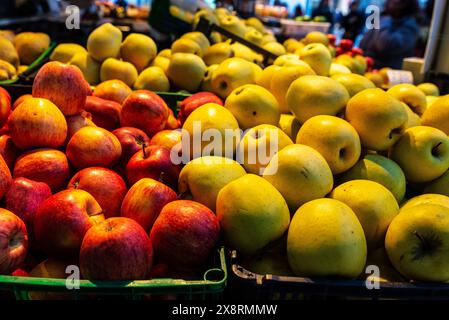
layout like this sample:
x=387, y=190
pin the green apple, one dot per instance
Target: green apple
x=252, y=213
x=423, y=153
x=186, y=71
x=317, y=57
x=325, y=238
x=300, y=173
x=153, y=79
x=310, y=96
x=202, y=178
x=429, y=89
x=334, y=138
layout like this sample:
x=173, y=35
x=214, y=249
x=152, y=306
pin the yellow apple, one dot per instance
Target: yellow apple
x=317, y=57
x=88, y=66
x=104, y=42
x=186, y=71
x=337, y=68
x=64, y=52
x=264, y=79
x=411, y=96
x=113, y=68
x=153, y=79
x=275, y=48
x=206, y=84
x=437, y=115
x=429, y=89
x=290, y=125
x=185, y=45
x=161, y=62
x=139, y=49
x=427, y=198
x=199, y=38
x=217, y=53
x=316, y=37
x=354, y=83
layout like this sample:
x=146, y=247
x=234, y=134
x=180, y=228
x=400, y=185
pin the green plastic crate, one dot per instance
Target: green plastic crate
x=33, y=65
x=210, y=287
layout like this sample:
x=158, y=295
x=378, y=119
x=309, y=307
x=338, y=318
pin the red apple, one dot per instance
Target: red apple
x=105, y=113
x=116, y=249
x=76, y=122
x=332, y=38
x=20, y=273
x=44, y=165
x=13, y=242
x=106, y=186
x=356, y=51
x=93, y=146
x=62, y=220
x=114, y=90
x=24, y=198
x=338, y=51
x=369, y=63
x=20, y=99
x=144, y=110
x=167, y=138
x=8, y=150
x=153, y=162
x=131, y=140
x=185, y=233
x=346, y=45
x=145, y=200
x=172, y=122
x=5, y=177
x=5, y=106
x=189, y=104
x=37, y=123
x=62, y=84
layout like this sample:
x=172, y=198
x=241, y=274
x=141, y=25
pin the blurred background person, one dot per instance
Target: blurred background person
x=353, y=22
x=323, y=10
x=397, y=36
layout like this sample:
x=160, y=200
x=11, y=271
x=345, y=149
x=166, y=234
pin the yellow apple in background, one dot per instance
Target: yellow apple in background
x=88, y=66
x=202, y=178
x=379, y=118
x=285, y=58
x=374, y=205
x=166, y=53
x=214, y=117
x=354, y=83
x=290, y=125
x=153, y=79
x=242, y=51
x=138, y=49
x=258, y=144
x=206, y=84
x=316, y=37
x=30, y=45
x=199, y=38
x=281, y=81
x=317, y=57
x=429, y=89
x=416, y=243
x=233, y=73
x=376, y=78
x=427, y=198
x=275, y=48
x=254, y=36
x=423, y=153
x=325, y=238
x=292, y=45
x=379, y=169
x=185, y=45
x=252, y=213
x=186, y=71
x=253, y=105
x=206, y=14
x=264, y=79
x=112, y=69
x=161, y=62
x=268, y=37
x=430, y=100
x=217, y=53
x=337, y=68
x=437, y=115
x=440, y=185
x=255, y=23
x=310, y=96
x=64, y=52
x=411, y=96
x=7, y=52
x=233, y=24
x=300, y=173
x=104, y=42
x=334, y=138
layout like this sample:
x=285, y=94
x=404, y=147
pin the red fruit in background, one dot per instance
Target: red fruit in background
x=185, y=233
x=153, y=162
x=5, y=178
x=144, y=110
x=8, y=150
x=62, y=84
x=20, y=99
x=332, y=38
x=20, y=273
x=62, y=220
x=37, y=123
x=167, y=138
x=346, y=45
x=24, y=198
x=105, y=113
x=356, y=51
x=76, y=122
x=145, y=200
x=338, y=51
x=116, y=249
x=5, y=106
x=369, y=62
x=106, y=186
x=44, y=165
x=131, y=140
x=114, y=90
x=93, y=146
x=189, y=104
x=13, y=242
x=172, y=122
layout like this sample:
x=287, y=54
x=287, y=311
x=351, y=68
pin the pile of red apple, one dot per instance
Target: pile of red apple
x=86, y=178
x=346, y=46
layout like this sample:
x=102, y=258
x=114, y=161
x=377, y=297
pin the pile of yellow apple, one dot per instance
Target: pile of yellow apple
x=18, y=51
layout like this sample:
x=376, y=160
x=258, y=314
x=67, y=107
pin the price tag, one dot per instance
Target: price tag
x=399, y=76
